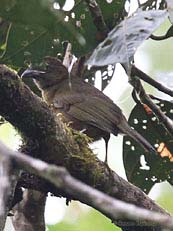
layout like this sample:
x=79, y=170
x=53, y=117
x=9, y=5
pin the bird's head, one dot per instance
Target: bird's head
x=53, y=73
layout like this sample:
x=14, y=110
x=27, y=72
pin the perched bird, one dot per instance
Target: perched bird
x=85, y=106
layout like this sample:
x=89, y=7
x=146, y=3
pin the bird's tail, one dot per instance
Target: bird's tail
x=126, y=129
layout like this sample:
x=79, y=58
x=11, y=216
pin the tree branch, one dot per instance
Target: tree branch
x=112, y=208
x=151, y=81
x=46, y=138
x=97, y=18
x=29, y=213
x=8, y=179
x=166, y=121
x=68, y=56
x=152, y=4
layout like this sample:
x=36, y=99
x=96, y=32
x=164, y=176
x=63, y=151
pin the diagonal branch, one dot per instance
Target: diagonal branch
x=151, y=81
x=112, y=208
x=167, y=122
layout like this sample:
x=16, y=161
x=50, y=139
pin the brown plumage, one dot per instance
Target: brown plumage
x=81, y=103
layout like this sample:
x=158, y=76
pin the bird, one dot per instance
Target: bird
x=83, y=105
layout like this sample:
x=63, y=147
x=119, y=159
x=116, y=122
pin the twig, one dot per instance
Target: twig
x=167, y=122
x=139, y=4
x=152, y=4
x=3, y=57
x=68, y=56
x=98, y=19
x=151, y=81
x=60, y=177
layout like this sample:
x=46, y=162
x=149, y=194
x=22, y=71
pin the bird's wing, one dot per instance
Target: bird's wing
x=92, y=110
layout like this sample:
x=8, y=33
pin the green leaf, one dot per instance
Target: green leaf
x=28, y=44
x=146, y=169
x=47, y=27
x=122, y=42
x=35, y=23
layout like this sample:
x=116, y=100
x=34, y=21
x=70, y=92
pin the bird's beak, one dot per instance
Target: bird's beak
x=29, y=73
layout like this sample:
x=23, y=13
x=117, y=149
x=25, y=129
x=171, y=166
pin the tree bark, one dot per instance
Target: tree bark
x=29, y=213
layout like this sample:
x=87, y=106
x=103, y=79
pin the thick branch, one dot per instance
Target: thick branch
x=112, y=208
x=46, y=138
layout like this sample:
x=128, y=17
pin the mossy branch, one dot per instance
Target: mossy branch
x=45, y=137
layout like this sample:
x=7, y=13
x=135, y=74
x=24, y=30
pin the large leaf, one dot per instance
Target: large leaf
x=35, y=27
x=170, y=9
x=31, y=45
x=38, y=28
x=122, y=42
x=146, y=169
